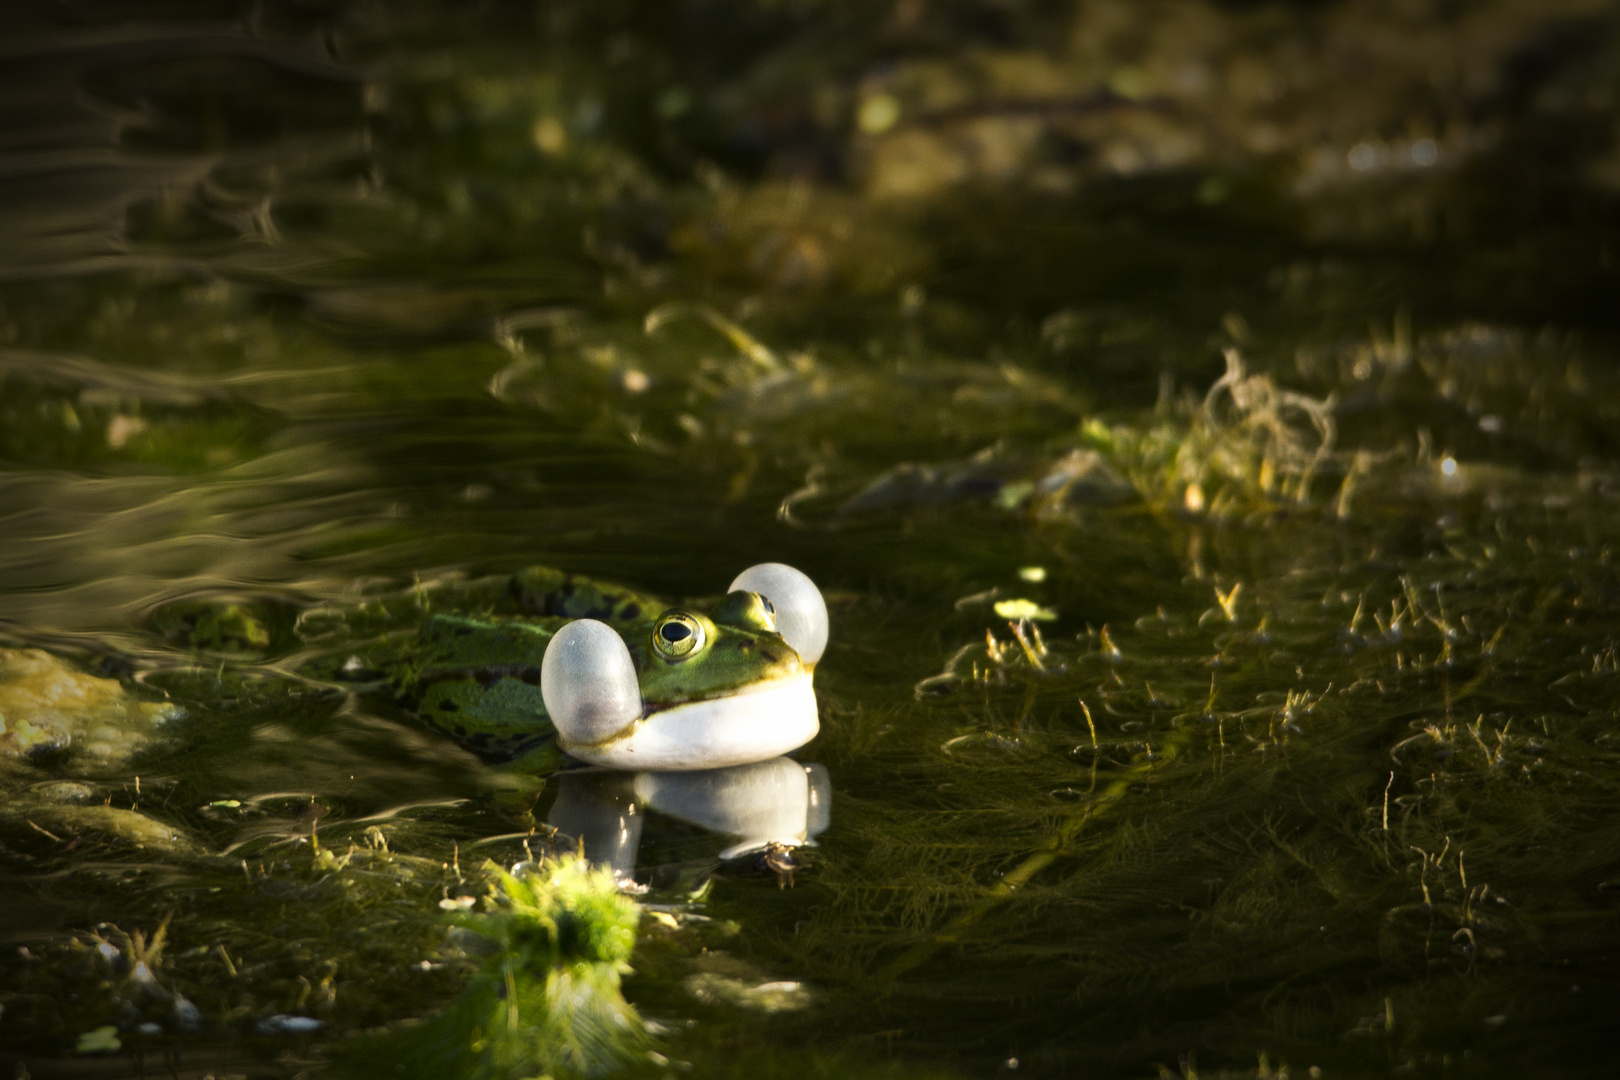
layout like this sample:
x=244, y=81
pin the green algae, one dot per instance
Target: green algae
x=49, y=709
x=547, y=999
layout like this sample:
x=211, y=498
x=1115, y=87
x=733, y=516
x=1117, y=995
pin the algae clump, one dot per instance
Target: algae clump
x=545, y=1001
x=47, y=708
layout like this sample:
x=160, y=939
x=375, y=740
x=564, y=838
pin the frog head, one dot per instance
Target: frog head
x=699, y=690
x=690, y=656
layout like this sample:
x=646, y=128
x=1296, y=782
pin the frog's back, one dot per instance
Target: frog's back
x=543, y=591
x=478, y=681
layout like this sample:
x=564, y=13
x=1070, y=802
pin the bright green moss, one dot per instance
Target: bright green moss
x=545, y=999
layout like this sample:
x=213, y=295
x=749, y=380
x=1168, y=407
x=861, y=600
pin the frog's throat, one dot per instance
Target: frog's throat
x=751, y=725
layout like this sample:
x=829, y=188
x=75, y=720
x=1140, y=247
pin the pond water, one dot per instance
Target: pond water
x=1201, y=420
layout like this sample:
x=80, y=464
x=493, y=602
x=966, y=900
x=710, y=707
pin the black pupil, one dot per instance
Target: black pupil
x=673, y=632
x=770, y=608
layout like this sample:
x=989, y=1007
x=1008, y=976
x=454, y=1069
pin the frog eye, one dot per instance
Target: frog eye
x=801, y=613
x=588, y=682
x=677, y=636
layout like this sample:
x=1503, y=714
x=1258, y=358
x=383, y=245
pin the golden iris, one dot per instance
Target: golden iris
x=677, y=636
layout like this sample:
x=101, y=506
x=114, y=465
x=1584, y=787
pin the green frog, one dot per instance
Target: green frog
x=524, y=669
x=612, y=677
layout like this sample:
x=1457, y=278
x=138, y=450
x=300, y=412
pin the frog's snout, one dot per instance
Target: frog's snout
x=801, y=613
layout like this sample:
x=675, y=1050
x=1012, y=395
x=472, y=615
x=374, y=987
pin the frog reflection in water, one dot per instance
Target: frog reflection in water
x=593, y=671
x=767, y=810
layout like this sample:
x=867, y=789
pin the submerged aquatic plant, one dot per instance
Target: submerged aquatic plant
x=546, y=1000
x=1250, y=444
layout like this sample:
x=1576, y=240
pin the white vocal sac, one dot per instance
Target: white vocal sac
x=588, y=682
x=801, y=613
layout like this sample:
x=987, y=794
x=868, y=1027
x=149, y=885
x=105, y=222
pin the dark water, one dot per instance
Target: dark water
x=1280, y=339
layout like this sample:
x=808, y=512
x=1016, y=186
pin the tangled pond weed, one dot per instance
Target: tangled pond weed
x=1248, y=445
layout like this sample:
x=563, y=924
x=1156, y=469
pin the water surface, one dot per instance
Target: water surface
x=1265, y=353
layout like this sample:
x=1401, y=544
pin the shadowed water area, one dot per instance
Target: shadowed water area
x=1202, y=419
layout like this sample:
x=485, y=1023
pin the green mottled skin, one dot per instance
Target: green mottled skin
x=477, y=678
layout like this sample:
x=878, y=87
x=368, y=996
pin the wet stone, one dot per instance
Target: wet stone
x=64, y=792
x=129, y=828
